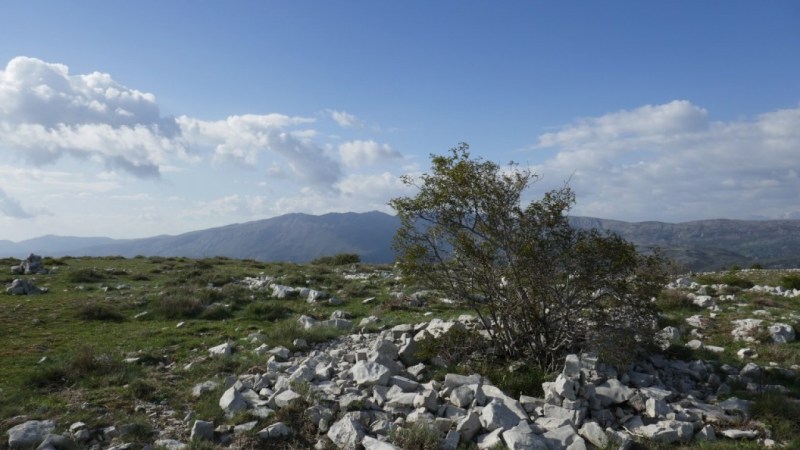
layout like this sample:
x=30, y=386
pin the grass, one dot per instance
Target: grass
x=86, y=333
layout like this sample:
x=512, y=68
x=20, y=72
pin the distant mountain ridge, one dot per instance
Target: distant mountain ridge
x=698, y=245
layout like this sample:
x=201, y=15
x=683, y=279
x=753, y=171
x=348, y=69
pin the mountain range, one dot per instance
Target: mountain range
x=698, y=245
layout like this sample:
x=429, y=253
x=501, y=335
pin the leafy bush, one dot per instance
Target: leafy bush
x=457, y=346
x=541, y=288
x=97, y=311
x=732, y=279
x=791, y=281
x=340, y=259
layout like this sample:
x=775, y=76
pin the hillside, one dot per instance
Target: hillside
x=699, y=245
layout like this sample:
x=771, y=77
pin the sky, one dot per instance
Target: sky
x=136, y=119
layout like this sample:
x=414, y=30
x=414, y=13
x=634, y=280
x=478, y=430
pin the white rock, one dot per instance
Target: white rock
x=371, y=443
x=369, y=373
x=612, y=392
x=523, y=437
x=781, y=333
x=346, y=433
x=497, y=415
x=221, y=351
x=593, y=433
x=29, y=434
x=232, y=401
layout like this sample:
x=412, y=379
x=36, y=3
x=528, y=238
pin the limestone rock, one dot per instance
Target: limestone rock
x=368, y=373
x=202, y=430
x=497, y=415
x=232, y=401
x=346, y=433
x=29, y=434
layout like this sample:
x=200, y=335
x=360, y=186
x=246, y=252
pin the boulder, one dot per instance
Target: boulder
x=232, y=401
x=346, y=433
x=22, y=287
x=369, y=373
x=29, y=434
x=781, y=333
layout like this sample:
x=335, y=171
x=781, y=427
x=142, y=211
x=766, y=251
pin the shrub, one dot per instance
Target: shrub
x=540, y=287
x=732, y=279
x=340, y=259
x=674, y=299
x=780, y=413
x=456, y=346
x=96, y=311
x=269, y=311
x=85, y=276
x=791, y=281
x=179, y=306
x=419, y=436
x=142, y=390
x=216, y=311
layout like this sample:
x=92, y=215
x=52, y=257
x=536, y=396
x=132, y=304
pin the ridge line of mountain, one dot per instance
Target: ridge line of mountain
x=298, y=237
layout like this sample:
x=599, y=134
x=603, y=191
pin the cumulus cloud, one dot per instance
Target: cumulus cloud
x=45, y=113
x=670, y=162
x=344, y=119
x=11, y=207
x=242, y=139
x=359, y=153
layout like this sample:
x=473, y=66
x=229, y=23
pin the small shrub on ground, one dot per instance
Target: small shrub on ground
x=457, y=346
x=340, y=259
x=175, y=305
x=100, y=312
x=269, y=311
x=732, y=279
x=216, y=311
x=781, y=414
x=791, y=281
x=85, y=276
x=419, y=436
x=675, y=299
x=142, y=390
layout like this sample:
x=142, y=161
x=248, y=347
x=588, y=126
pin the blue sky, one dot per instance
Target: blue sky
x=132, y=119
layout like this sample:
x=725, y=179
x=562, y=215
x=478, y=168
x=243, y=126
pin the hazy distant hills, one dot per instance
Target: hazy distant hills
x=700, y=245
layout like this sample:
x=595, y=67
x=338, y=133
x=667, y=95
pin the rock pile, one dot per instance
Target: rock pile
x=360, y=388
x=363, y=387
x=22, y=287
x=32, y=265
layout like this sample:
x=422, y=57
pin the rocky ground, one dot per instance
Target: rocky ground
x=367, y=388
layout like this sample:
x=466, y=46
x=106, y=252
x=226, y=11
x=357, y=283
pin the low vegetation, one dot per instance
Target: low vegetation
x=94, y=350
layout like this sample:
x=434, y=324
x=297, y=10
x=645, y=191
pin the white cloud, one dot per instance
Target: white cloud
x=360, y=153
x=242, y=139
x=344, y=119
x=11, y=207
x=46, y=113
x=228, y=207
x=669, y=162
